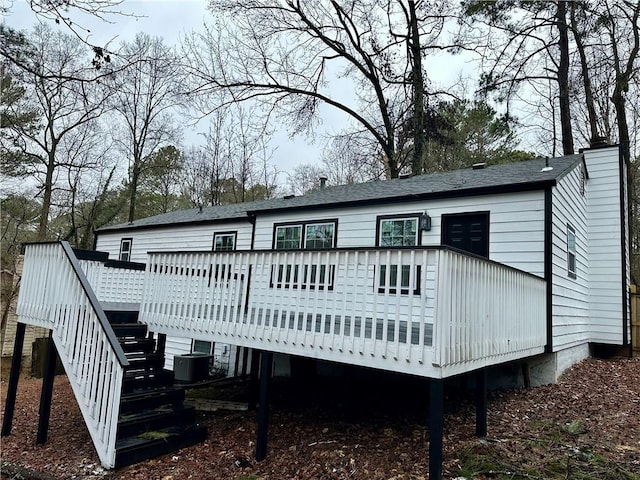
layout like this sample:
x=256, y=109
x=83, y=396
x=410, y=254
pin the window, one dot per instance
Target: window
x=319, y=235
x=571, y=251
x=398, y=231
x=308, y=235
x=200, y=346
x=288, y=237
x=403, y=277
x=312, y=277
x=125, y=249
x=224, y=241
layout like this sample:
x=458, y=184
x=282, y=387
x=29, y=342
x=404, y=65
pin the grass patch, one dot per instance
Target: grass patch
x=249, y=477
x=154, y=435
x=550, y=451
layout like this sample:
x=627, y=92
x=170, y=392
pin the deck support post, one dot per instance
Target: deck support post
x=245, y=361
x=236, y=362
x=253, y=379
x=14, y=375
x=47, y=391
x=266, y=362
x=436, y=427
x=481, y=402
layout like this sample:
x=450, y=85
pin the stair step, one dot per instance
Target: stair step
x=128, y=330
x=146, y=379
x=152, y=444
x=152, y=420
x=121, y=316
x=142, y=345
x=137, y=401
x=144, y=361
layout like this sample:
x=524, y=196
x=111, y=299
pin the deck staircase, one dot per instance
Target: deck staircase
x=153, y=419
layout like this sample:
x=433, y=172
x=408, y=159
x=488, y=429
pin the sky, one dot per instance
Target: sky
x=171, y=19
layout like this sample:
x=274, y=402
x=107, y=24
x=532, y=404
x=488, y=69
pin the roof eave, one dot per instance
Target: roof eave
x=192, y=223
x=467, y=192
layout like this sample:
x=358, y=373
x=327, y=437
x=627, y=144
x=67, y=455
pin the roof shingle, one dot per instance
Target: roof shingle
x=525, y=175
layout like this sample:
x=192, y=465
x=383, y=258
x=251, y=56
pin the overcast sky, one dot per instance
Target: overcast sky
x=171, y=19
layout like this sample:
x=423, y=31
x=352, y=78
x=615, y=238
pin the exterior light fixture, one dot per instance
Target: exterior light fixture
x=425, y=222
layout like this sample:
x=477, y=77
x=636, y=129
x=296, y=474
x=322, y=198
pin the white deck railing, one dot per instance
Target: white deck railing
x=114, y=282
x=485, y=312
x=55, y=294
x=431, y=312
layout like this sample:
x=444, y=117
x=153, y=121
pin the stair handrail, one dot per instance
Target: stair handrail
x=56, y=294
x=95, y=304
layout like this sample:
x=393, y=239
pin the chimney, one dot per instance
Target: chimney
x=323, y=182
x=599, y=142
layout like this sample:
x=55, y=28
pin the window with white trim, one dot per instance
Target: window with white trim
x=224, y=241
x=571, y=251
x=125, y=249
x=398, y=232
x=288, y=237
x=319, y=235
x=308, y=235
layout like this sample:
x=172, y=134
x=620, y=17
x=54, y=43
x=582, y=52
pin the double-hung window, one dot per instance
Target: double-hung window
x=288, y=237
x=316, y=235
x=307, y=235
x=224, y=241
x=398, y=231
x=319, y=235
x=571, y=251
x=392, y=232
x=125, y=249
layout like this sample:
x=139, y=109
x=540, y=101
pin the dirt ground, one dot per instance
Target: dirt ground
x=587, y=426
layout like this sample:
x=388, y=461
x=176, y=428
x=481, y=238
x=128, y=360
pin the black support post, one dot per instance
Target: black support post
x=161, y=344
x=253, y=379
x=245, y=361
x=481, y=402
x=47, y=391
x=266, y=361
x=237, y=362
x=436, y=427
x=14, y=375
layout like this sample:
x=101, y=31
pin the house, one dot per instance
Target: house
x=433, y=275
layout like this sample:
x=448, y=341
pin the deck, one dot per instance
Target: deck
x=430, y=312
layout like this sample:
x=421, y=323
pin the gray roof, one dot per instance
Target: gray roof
x=520, y=176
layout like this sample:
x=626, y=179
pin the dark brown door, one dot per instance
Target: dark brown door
x=467, y=231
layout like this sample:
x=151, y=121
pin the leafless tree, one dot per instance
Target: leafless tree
x=234, y=164
x=67, y=110
x=523, y=45
x=290, y=56
x=63, y=12
x=145, y=95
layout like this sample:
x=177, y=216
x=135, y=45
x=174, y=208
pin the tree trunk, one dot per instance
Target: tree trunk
x=563, y=79
x=46, y=197
x=586, y=76
x=417, y=166
x=133, y=191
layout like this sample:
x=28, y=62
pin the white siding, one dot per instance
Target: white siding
x=516, y=231
x=605, y=245
x=570, y=295
x=177, y=238
x=171, y=239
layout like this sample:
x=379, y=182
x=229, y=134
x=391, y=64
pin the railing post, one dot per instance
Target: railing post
x=12, y=388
